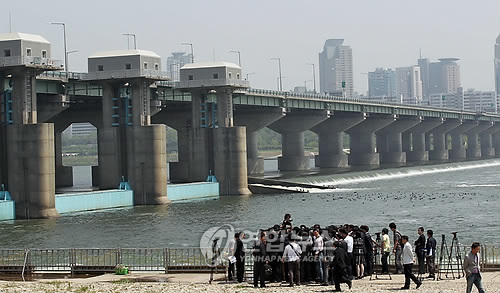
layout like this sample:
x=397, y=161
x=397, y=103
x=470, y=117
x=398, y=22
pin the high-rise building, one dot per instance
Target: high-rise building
x=444, y=77
x=175, y=62
x=409, y=85
x=480, y=101
x=424, y=64
x=497, y=68
x=335, y=69
x=382, y=83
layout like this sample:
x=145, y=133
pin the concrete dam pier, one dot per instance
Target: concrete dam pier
x=216, y=114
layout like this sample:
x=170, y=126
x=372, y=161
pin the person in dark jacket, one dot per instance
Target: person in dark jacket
x=430, y=254
x=419, y=250
x=340, y=265
x=260, y=259
x=368, y=250
x=239, y=253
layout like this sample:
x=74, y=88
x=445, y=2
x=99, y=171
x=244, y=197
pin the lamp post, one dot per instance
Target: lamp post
x=250, y=74
x=305, y=84
x=65, y=51
x=135, y=43
x=239, y=56
x=279, y=69
x=314, y=75
x=69, y=52
x=192, y=52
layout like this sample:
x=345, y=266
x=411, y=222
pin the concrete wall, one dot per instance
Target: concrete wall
x=7, y=210
x=193, y=190
x=18, y=48
x=36, y=48
x=117, y=63
x=97, y=200
x=14, y=46
x=207, y=73
x=151, y=62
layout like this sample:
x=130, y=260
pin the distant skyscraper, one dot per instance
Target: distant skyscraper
x=382, y=83
x=409, y=85
x=444, y=76
x=424, y=63
x=497, y=68
x=175, y=62
x=335, y=68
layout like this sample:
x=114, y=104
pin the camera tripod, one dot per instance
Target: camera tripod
x=453, y=262
x=213, y=264
x=375, y=254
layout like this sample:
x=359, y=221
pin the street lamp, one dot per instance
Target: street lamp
x=69, y=52
x=305, y=84
x=250, y=74
x=239, y=56
x=192, y=52
x=65, y=51
x=314, y=75
x=128, y=38
x=279, y=68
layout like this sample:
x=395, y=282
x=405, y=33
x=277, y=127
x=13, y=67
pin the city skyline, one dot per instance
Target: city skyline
x=388, y=34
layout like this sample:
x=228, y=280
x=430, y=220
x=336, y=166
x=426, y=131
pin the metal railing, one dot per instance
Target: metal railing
x=188, y=259
x=31, y=61
x=321, y=97
x=63, y=75
x=214, y=83
x=132, y=73
x=76, y=260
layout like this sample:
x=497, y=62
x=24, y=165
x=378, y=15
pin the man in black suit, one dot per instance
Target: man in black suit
x=260, y=259
x=239, y=253
x=430, y=253
x=419, y=249
x=340, y=265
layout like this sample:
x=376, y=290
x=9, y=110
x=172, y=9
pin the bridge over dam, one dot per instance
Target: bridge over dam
x=216, y=115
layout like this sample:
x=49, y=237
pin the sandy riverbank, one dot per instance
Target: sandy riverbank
x=199, y=283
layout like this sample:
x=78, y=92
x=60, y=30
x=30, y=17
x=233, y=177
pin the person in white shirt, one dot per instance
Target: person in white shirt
x=408, y=264
x=318, y=255
x=292, y=257
x=350, y=257
x=231, y=272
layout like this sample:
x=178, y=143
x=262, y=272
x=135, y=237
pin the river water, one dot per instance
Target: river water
x=455, y=197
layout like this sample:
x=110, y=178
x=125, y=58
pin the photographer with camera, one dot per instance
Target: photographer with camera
x=287, y=222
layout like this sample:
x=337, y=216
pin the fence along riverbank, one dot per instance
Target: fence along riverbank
x=179, y=260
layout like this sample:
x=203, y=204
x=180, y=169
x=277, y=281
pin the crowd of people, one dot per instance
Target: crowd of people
x=330, y=255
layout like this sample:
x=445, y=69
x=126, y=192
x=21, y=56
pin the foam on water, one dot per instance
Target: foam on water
x=401, y=173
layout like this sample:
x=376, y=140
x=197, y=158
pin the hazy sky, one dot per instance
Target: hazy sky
x=382, y=33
